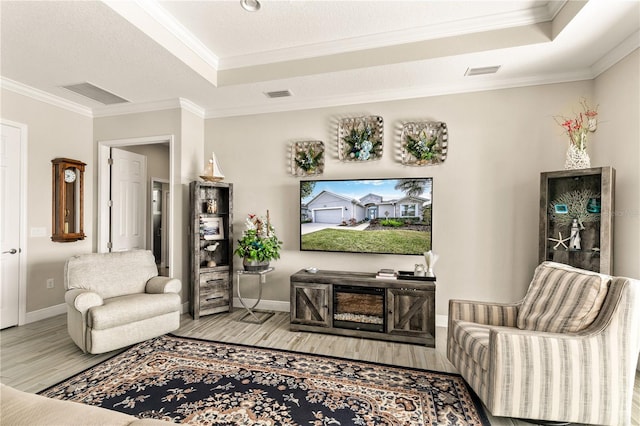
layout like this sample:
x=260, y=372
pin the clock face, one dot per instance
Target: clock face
x=69, y=176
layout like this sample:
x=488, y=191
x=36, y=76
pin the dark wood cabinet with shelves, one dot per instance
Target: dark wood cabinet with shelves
x=211, y=247
x=358, y=304
x=590, y=196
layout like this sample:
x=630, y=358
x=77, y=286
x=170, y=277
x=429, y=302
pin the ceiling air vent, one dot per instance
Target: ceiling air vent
x=278, y=94
x=90, y=91
x=482, y=70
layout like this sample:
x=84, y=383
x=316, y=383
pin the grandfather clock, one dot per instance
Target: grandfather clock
x=68, y=200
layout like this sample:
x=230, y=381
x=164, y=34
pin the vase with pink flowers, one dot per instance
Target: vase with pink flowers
x=577, y=129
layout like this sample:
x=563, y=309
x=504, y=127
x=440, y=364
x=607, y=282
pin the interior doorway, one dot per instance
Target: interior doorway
x=159, y=153
x=160, y=200
x=13, y=169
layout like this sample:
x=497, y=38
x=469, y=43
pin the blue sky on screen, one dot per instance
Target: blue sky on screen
x=358, y=188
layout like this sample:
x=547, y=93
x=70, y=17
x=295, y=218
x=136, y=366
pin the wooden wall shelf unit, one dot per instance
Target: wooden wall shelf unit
x=596, y=239
x=358, y=304
x=211, y=247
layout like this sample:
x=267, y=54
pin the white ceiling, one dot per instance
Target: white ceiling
x=219, y=60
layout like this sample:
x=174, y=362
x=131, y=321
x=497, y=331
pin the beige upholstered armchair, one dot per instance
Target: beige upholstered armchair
x=566, y=352
x=117, y=299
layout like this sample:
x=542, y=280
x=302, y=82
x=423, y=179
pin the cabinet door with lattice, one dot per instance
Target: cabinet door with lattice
x=410, y=312
x=310, y=304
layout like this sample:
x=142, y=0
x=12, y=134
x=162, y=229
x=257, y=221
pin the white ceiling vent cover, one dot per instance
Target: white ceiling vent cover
x=90, y=91
x=482, y=70
x=278, y=94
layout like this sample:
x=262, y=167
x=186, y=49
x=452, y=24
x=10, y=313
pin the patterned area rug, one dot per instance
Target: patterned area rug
x=200, y=382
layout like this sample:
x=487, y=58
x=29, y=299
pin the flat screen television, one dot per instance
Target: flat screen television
x=386, y=216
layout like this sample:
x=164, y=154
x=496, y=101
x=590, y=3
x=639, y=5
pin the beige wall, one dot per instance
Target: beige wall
x=486, y=194
x=52, y=132
x=168, y=122
x=617, y=143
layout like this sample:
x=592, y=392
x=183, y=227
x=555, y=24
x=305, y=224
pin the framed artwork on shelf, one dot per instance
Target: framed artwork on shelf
x=211, y=228
x=307, y=158
x=360, y=138
x=424, y=143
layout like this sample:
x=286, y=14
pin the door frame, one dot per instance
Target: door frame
x=22, y=273
x=165, y=217
x=104, y=151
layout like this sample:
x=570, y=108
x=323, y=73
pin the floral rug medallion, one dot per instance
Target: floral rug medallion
x=199, y=382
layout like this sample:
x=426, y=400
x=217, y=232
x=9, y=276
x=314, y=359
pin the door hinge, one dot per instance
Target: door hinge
x=110, y=161
x=110, y=203
x=109, y=245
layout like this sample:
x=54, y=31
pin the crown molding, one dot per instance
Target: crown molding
x=171, y=24
x=163, y=28
x=45, y=97
x=142, y=107
x=616, y=54
x=400, y=94
x=106, y=111
x=187, y=105
x=392, y=38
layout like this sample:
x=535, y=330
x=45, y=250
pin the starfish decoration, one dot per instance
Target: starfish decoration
x=560, y=241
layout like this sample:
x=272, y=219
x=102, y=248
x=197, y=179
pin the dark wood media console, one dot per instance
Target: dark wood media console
x=358, y=304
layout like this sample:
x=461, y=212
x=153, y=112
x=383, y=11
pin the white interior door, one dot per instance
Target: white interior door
x=10, y=204
x=128, y=197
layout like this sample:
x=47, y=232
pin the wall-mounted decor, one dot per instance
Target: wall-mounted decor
x=68, y=200
x=307, y=158
x=576, y=218
x=424, y=143
x=360, y=138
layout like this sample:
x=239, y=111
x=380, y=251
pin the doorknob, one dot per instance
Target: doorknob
x=12, y=251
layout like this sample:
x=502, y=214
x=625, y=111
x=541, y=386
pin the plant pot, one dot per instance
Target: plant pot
x=254, y=265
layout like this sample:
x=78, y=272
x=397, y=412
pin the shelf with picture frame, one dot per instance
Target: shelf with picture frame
x=211, y=247
x=578, y=202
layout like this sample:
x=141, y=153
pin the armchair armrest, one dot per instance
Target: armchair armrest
x=159, y=285
x=488, y=313
x=82, y=300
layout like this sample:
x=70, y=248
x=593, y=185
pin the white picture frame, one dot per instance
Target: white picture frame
x=212, y=228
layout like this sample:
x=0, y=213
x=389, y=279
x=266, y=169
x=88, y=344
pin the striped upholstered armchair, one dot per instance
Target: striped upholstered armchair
x=566, y=352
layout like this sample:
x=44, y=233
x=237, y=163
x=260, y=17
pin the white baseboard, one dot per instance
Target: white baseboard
x=268, y=305
x=442, y=320
x=45, y=313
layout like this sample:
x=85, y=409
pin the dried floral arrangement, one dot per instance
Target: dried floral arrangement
x=360, y=139
x=577, y=128
x=576, y=202
x=424, y=143
x=307, y=158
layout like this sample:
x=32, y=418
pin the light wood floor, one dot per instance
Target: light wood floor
x=41, y=354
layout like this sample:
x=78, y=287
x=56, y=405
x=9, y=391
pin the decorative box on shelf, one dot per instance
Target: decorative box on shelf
x=576, y=218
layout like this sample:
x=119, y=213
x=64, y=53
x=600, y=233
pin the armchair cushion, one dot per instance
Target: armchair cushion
x=117, y=274
x=562, y=299
x=128, y=309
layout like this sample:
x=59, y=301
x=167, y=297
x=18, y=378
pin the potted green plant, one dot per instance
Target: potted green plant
x=259, y=244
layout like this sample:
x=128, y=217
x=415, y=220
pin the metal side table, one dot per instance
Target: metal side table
x=251, y=316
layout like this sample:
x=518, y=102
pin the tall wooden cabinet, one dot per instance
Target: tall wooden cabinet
x=211, y=247
x=586, y=195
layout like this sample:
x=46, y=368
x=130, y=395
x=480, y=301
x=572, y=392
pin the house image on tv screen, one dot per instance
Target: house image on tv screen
x=328, y=207
x=394, y=215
